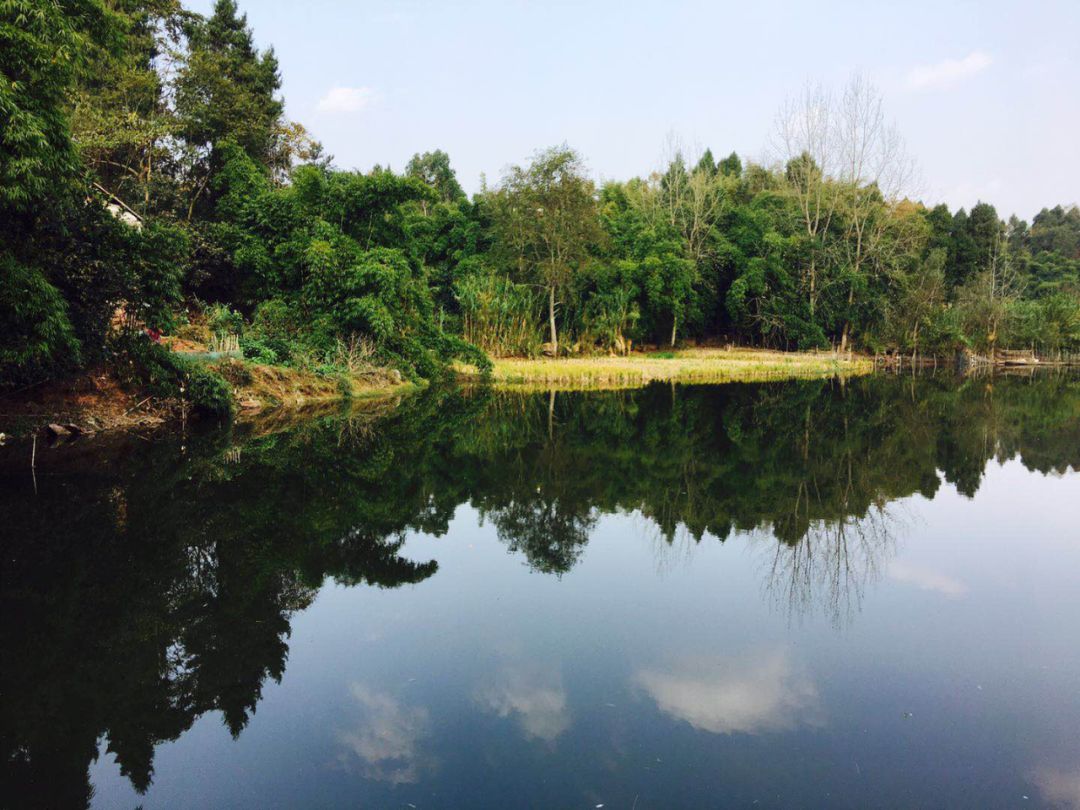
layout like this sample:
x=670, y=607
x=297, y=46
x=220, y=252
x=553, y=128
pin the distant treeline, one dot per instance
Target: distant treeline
x=147, y=171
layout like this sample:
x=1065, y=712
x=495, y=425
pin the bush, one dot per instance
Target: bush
x=272, y=336
x=223, y=320
x=207, y=391
x=235, y=372
x=36, y=336
x=160, y=372
x=258, y=350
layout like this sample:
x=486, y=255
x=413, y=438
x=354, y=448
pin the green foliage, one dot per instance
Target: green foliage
x=433, y=168
x=36, y=336
x=154, y=258
x=163, y=373
x=189, y=184
x=545, y=223
x=498, y=315
x=44, y=47
x=223, y=320
x=206, y=390
x=226, y=89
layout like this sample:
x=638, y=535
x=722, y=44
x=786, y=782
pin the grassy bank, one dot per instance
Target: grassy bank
x=257, y=387
x=99, y=401
x=688, y=365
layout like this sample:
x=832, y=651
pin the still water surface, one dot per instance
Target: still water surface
x=790, y=595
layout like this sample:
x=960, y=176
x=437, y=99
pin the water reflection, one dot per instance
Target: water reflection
x=146, y=584
x=927, y=579
x=1059, y=788
x=752, y=693
x=535, y=698
x=833, y=563
x=388, y=738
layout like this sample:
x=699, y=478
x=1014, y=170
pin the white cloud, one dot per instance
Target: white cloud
x=346, y=99
x=926, y=579
x=754, y=693
x=948, y=72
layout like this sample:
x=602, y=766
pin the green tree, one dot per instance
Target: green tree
x=435, y=170
x=545, y=220
x=226, y=90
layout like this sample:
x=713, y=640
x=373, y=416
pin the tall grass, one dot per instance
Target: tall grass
x=499, y=316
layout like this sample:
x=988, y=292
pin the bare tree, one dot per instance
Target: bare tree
x=873, y=174
x=846, y=166
x=805, y=143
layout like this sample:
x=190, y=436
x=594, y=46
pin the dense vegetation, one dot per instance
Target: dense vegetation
x=141, y=593
x=148, y=176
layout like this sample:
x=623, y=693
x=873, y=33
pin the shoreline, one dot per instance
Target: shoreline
x=681, y=365
x=96, y=403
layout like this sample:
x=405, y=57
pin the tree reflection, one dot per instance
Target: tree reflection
x=831, y=564
x=146, y=584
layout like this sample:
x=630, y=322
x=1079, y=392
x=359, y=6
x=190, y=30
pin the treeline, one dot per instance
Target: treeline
x=147, y=171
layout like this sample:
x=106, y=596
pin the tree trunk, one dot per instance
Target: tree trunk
x=551, y=320
x=674, y=325
x=847, y=323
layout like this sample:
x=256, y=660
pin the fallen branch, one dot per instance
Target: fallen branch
x=136, y=407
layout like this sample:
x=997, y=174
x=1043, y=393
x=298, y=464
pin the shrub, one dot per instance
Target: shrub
x=234, y=372
x=160, y=372
x=206, y=390
x=36, y=336
x=258, y=350
x=223, y=320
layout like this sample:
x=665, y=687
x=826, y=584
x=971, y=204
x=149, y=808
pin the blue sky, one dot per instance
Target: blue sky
x=986, y=94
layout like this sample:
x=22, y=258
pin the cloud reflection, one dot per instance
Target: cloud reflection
x=536, y=700
x=387, y=739
x=758, y=692
x=927, y=579
x=1059, y=788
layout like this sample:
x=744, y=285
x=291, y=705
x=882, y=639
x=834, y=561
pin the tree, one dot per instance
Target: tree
x=985, y=300
x=121, y=119
x=918, y=300
x=874, y=172
x=731, y=166
x=225, y=90
x=806, y=136
x=44, y=47
x=545, y=219
x=435, y=170
x=53, y=271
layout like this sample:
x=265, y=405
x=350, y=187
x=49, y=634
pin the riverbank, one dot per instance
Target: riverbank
x=96, y=401
x=686, y=365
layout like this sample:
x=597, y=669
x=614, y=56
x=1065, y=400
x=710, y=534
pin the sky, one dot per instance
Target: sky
x=986, y=94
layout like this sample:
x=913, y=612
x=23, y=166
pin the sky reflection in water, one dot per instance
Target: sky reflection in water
x=795, y=595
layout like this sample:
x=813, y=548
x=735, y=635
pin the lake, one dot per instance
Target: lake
x=860, y=593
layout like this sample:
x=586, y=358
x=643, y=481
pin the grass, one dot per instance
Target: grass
x=687, y=365
x=258, y=386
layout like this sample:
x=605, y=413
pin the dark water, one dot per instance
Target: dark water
x=790, y=595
